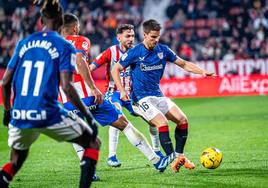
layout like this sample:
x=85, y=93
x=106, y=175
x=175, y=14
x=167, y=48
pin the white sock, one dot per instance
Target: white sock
x=137, y=139
x=154, y=138
x=79, y=151
x=113, y=140
x=179, y=154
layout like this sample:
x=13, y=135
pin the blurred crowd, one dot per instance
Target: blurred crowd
x=195, y=29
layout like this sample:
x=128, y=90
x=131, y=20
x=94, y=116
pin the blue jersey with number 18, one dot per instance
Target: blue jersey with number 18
x=147, y=68
x=37, y=63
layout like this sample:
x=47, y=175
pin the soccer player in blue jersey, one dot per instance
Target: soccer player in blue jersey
x=147, y=62
x=40, y=62
x=125, y=35
x=105, y=112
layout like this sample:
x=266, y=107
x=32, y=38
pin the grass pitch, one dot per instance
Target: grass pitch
x=238, y=126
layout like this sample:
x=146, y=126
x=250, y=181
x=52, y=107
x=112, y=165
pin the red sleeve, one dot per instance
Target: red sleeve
x=104, y=57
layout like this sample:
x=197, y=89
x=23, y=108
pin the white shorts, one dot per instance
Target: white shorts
x=149, y=107
x=67, y=129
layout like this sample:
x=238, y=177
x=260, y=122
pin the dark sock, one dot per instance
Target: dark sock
x=181, y=133
x=88, y=167
x=6, y=175
x=165, y=140
x=4, y=179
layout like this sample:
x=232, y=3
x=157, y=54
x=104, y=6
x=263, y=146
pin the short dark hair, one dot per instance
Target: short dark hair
x=151, y=25
x=69, y=18
x=122, y=27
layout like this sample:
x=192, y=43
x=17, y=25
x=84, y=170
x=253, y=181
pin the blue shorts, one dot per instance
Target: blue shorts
x=105, y=113
x=114, y=97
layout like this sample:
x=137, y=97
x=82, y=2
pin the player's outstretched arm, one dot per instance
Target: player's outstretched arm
x=116, y=76
x=6, y=94
x=85, y=72
x=191, y=67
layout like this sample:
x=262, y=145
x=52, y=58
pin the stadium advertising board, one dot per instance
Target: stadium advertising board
x=234, y=78
x=215, y=87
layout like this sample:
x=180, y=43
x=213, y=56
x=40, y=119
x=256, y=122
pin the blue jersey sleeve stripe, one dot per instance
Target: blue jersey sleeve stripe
x=94, y=63
x=82, y=51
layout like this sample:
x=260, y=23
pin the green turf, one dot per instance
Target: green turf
x=238, y=126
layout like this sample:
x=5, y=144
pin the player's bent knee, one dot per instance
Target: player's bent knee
x=96, y=144
x=121, y=123
x=159, y=121
x=183, y=120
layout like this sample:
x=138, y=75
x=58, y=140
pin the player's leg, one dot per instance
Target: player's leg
x=72, y=110
x=9, y=170
x=149, y=109
x=176, y=115
x=89, y=159
x=74, y=129
x=155, y=140
x=107, y=114
x=20, y=141
x=113, y=142
x=138, y=140
x=134, y=110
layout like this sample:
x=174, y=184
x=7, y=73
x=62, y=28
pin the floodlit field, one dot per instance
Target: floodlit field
x=238, y=126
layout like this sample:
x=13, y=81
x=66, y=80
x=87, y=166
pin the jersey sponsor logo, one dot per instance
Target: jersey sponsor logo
x=124, y=74
x=29, y=114
x=160, y=55
x=150, y=68
x=124, y=56
x=91, y=107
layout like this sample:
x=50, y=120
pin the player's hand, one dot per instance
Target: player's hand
x=7, y=117
x=98, y=95
x=212, y=74
x=93, y=125
x=124, y=96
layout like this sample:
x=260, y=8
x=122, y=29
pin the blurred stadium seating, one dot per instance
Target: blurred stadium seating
x=196, y=29
x=229, y=37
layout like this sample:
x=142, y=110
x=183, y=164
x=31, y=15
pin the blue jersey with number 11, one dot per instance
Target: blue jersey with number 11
x=37, y=63
x=147, y=68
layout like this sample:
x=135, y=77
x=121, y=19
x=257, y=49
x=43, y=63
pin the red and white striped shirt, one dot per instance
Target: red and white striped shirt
x=81, y=44
x=110, y=57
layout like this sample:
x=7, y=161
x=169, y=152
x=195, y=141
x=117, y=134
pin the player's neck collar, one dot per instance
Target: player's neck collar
x=45, y=29
x=146, y=47
x=120, y=49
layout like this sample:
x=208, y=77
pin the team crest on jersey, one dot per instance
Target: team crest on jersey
x=85, y=45
x=160, y=55
x=124, y=56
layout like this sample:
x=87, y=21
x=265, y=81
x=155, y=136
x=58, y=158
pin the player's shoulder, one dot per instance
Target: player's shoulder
x=136, y=49
x=138, y=46
x=48, y=37
x=112, y=47
x=161, y=46
x=80, y=42
x=78, y=38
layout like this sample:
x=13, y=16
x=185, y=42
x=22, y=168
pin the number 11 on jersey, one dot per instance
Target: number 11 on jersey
x=28, y=65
